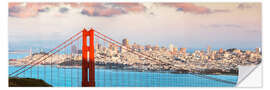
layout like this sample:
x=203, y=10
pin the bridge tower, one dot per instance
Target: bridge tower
x=88, y=59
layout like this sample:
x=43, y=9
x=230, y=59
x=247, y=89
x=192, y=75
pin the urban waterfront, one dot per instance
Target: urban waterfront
x=119, y=66
x=123, y=78
x=178, y=60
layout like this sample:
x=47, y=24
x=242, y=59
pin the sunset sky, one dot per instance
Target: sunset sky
x=190, y=25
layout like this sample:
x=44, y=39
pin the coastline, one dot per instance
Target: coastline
x=126, y=67
x=71, y=64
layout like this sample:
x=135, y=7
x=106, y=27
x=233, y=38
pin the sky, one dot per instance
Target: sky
x=190, y=25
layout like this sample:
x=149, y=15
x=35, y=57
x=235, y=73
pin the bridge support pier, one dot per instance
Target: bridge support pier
x=88, y=59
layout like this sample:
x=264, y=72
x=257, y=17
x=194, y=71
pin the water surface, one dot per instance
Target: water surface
x=71, y=77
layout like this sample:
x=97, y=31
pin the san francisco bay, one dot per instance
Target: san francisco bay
x=71, y=77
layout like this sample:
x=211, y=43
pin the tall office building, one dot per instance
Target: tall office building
x=175, y=49
x=110, y=46
x=125, y=45
x=98, y=46
x=171, y=47
x=125, y=42
x=258, y=50
x=30, y=52
x=221, y=50
x=74, y=49
x=209, y=49
x=183, y=50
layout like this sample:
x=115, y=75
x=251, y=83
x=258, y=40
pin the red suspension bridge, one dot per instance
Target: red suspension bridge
x=79, y=50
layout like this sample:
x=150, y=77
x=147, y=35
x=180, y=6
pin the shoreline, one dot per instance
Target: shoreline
x=127, y=68
x=134, y=70
x=70, y=64
x=142, y=68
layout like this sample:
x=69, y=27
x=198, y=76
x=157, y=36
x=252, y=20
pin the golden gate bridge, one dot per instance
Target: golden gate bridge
x=86, y=40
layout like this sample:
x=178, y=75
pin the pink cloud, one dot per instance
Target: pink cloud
x=17, y=10
x=192, y=8
x=91, y=4
x=107, y=12
x=89, y=9
x=28, y=10
x=99, y=9
x=188, y=7
x=131, y=7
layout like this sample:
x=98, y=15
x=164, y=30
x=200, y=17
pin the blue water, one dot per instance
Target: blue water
x=17, y=56
x=71, y=77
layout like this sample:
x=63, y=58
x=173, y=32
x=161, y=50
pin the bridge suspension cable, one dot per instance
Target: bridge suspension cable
x=63, y=79
x=39, y=60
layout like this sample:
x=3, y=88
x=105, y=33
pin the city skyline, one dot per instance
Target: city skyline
x=189, y=25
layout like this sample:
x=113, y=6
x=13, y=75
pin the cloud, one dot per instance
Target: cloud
x=98, y=9
x=188, y=7
x=192, y=8
x=22, y=10
x=106, y=12
x=130, y=7
x=25, y=10
x=111, y=9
